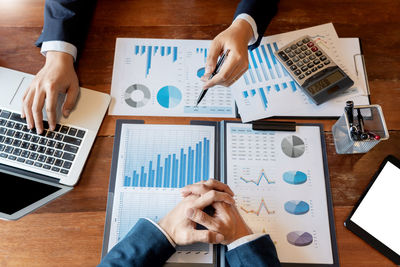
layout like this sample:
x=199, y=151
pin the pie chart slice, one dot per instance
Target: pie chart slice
x=297, y=207
x=299, y=238
x=295, y=177
x=200, y=72
x=293, y=146
x=137, y=90
x=169, y=96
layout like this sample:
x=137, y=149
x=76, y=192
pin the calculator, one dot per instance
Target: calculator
x=316, y=73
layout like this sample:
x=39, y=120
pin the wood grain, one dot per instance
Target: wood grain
x=69, y=230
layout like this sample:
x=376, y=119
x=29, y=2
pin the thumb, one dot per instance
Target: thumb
x=70, y=99
x=206, y=236
x=216, y=49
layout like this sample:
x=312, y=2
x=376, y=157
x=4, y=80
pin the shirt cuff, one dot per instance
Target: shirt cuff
x=162, y=231
x=243, y=240
x=59, y=46
x=252, y=23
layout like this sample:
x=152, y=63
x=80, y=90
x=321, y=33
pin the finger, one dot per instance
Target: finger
x=28, y=108
x=200, y=217
x=212, y=196
x=37, y=107
x=70, y=100
x=236, y=76
x=215, y=50
x=205, y=236
x=51, y=106
x=23, y=100
x=205, y=186
x=223, y=76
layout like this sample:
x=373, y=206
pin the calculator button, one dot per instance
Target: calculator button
x=298, y=51
x=327, y=62
x=283, y=56
x=299, y=64
x=291, y=54
x=310, y=65
x=308, y=52
x=297, y=72
x=312, y=57
x=303, y=48
x=289, y=62
x=308, y=72
x=302, y=56
x=314, y=48
x=295, y=59
x=314, y=69
x=310, y=44
x=323, y=58
x=287, y=50
x=304, y=68
x=306, y=60
x=293, y=67
x=301, y=76
x=316, y=61
x=293, y=47
x=320, y=66
x=299, y=43
x=306, y=40
x=318, y=53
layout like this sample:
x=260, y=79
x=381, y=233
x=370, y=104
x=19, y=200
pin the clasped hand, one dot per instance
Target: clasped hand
x=224, y=226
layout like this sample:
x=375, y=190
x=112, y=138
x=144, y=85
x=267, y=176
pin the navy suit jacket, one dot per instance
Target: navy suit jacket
x=68, y=20
x=146, y=245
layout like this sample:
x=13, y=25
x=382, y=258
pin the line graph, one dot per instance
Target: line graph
x=258, y=211
x=258, y=181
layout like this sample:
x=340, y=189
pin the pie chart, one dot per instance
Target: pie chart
x=297, y=207
x=294, y=177
x=169, y=96
x=137, y=95
x=299, y=238
x=200, y=72
x=293, y=146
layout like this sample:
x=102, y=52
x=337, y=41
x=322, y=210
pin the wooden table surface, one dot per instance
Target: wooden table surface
x=69, y=230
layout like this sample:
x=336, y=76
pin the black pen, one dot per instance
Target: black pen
x=217, y=68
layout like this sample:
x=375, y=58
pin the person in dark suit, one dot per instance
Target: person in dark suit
x=151, y=244
x=65, y=27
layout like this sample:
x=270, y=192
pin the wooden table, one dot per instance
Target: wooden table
x=69, y=230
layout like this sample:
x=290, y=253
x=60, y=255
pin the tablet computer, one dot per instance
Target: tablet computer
x=376, y=216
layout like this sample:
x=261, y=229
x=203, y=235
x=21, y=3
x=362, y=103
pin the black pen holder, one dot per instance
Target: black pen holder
x=349, y=139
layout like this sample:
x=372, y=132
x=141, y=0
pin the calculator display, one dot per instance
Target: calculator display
x=325, y=82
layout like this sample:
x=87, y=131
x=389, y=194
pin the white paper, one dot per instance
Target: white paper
x=267, y=90
x=161, y=77
x=270, y=174
x=151, y=192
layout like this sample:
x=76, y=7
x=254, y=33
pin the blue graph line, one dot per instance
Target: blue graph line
x=251, y=74
x=143, y=50
x=261, y=63
x=255, y=65
x=168, y=50
x=253, y=92
x=259, y=179
x=245, y=94
x=284, y=85
x=246, y=79
x=293, y=85
x=162, y=50
x=136, y=49
x=175, y=53
x=148, y=60
x=268, y=63
x=264, y=99
x=271, y=53
x=277, y=88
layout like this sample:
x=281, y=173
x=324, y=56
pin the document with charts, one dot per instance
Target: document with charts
x=267, y=89
x=161, y=77
x=279, y=179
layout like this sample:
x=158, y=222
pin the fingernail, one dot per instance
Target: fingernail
x=67, y=112
x=219, y=238
x=189, y=213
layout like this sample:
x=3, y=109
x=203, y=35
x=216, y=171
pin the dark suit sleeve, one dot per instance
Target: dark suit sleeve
x=262, y=11
x=144, y=245
x=259, y=252
x=66, y=20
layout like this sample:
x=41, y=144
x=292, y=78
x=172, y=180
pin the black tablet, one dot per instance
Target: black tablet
x=376, y=216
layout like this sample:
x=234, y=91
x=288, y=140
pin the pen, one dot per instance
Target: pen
x=217, y=68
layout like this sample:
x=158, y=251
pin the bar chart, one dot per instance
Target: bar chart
x=153, y=51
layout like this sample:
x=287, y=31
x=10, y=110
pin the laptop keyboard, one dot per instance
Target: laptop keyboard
x=53, y=151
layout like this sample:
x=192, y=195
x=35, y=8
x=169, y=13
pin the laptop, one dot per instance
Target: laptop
x=35, y=169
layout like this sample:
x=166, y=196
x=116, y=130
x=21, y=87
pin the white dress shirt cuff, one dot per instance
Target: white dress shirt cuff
x=162, y=231
x=244, y=240
x=59, y=46
x=252, y=23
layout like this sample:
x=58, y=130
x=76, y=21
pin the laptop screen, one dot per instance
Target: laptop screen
x=17, y=193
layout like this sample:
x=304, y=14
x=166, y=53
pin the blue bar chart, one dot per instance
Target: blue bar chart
x=153, y=51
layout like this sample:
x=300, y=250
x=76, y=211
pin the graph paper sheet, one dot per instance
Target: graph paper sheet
x=160, y=77
x=154, y=162
x=280, y=189
x=267, y=89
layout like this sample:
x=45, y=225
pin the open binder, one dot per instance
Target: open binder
x=280, y=180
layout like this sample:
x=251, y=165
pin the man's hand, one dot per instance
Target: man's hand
x=183, y=230
x=57, y=76
x=226, y=219
x=235, y=38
